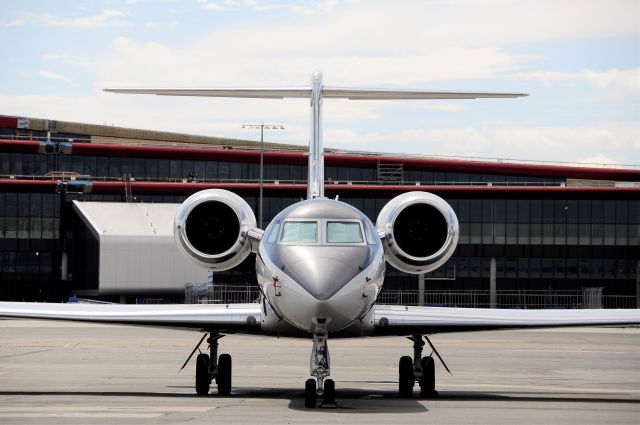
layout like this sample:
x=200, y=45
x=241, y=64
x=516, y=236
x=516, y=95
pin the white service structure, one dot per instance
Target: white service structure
x=137, y=250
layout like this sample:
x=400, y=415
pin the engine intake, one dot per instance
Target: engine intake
x=211, y=229
x=421, y=231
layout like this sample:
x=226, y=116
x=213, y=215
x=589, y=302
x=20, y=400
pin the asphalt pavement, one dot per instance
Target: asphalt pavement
x=73, y=373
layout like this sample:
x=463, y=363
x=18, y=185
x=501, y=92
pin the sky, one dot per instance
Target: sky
x=578, y=59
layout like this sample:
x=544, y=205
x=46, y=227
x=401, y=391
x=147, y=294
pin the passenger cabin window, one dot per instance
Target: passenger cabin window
x=300, y=231
x=344, y=232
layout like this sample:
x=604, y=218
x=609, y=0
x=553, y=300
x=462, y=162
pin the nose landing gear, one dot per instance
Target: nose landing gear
x=319, y=366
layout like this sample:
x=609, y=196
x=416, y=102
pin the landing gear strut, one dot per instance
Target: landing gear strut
x=319, y=366
x=210, y=366
x=419, y=369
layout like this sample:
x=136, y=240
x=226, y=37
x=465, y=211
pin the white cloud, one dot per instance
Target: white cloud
x=440, y=107
x=154, y=24
x=359, y=44
x=12, y=23
x=619, y=82
x=129, y=61
x=307, y=10
x=54, y=56
x=50, y=75
x=107, y=18
x=66, y=59
x=605, y=143
x=293, y=7
x=213, y=6
x=597, y=160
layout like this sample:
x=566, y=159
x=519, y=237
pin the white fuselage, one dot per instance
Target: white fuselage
x=320, y=261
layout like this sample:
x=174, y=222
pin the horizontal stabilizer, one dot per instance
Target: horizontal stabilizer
x=259, y=93
x=327, y=92
x=385, y=94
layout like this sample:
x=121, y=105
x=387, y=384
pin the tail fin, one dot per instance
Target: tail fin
x=315, y=93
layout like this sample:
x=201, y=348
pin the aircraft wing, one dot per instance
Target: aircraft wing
x=405, y=320
x=222, y=317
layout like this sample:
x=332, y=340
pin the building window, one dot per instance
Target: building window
x=523, y=234
x=609, y=234
x=536, y=234
x=487, y=233
x=512, y=234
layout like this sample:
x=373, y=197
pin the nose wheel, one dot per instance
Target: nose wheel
x=310, y=393
x=319, y=368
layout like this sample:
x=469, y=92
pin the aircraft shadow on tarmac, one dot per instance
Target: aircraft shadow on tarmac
x=352, y=400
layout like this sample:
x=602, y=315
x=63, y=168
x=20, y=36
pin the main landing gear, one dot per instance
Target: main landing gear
x=319, y=366
x=210, y=367
x=419, y=369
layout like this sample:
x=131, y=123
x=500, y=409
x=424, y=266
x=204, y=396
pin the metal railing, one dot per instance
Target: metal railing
x=530, y=299
x=71, y=175
x=207, y=293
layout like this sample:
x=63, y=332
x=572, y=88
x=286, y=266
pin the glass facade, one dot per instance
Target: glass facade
x=546, y=242
x=161, y=169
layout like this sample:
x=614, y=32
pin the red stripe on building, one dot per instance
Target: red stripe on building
x=12, y=185
x=8, y=122
x=24, y=146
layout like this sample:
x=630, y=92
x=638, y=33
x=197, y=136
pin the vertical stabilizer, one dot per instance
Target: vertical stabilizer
x=315, y=185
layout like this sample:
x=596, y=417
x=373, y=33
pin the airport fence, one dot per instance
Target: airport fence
x=530, y=299
x=207, y=293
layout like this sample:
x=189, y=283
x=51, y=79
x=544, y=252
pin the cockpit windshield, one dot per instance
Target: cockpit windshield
x=300, y=231
x=344, y=232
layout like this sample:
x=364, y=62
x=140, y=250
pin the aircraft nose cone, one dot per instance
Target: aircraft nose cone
x=322, y=277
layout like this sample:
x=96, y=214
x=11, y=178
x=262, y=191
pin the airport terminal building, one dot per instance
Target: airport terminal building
x=77, y=202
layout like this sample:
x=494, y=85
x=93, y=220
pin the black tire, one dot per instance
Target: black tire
x=428, y=380
x=310, y=394
x=203, y=379
x=329, y=396
x=224, y=374
x=405, y=377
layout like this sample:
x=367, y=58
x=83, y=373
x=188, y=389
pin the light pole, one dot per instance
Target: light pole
x=262, y=126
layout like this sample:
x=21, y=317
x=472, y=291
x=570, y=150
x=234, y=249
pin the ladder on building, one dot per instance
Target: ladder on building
x=128, y=195
x=390, y=172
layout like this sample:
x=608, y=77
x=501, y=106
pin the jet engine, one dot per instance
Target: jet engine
x=211, y=229
x=419, y=231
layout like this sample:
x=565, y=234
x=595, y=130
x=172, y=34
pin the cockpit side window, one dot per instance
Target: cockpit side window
x=344, y=232
x=300, y=231
x=273, y=232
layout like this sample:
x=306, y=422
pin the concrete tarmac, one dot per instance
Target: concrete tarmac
x=73, y=373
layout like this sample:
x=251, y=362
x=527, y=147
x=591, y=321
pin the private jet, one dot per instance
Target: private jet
x=320, y=266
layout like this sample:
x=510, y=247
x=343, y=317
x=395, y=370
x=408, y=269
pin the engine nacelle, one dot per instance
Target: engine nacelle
x=211, y=229
x=420, y=231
